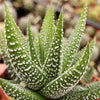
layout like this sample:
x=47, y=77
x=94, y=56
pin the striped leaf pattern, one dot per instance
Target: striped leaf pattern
x=88, y=75
x=72, y=44
x=79, y=54
x=90, y=92
x=47, y=33
x=33, y=52
x=64, y=83
x=94, y=91
x=7, y=60
x=77, y=93
x=18, y=92
x=52, y=62
x=45, y=65
x=28, y=71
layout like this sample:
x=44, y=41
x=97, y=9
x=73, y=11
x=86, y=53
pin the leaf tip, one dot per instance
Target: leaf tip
x=88, y=45
x=94, y=39
x=6, y=8
x=28, y=23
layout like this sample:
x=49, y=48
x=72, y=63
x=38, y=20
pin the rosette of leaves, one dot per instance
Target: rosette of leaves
x=47, y=68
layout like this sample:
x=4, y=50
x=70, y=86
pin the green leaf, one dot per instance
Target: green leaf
x=90, y=92
x=18, y=32
x=36, y=45
x=52, y=62
x=18, y=92
x=64, y=83
x=6, y=57
x=88, y=75
x=47, y=33
x=29, y=72
x=94, y=91
x=80, y=53
x=77, y=56
x=77, y=93
x=92, y=44
x=72, y=44
x=32, y=48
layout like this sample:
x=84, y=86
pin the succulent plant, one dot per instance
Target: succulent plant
x=34, y=31
x=40, y=9
x=30, y=16
x=28, y=5
x=95, y=54
x=98, y=45
x=74, y=2
x=66, y=20
x=84, y=40
x=1, y=30
x=48, y=69
x=56, y=3
x=68, y=32
x=12, y=10
x=90, y=31
x=23, y=22
x=98, y=35
x=88, y=75
x=74, y=21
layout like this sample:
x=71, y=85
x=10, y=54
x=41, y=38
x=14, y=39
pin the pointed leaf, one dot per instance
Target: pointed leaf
x=72, y=44
x=94, y=91
x=77, y=93
x=64, y=83
x=88, y=75
x=90, y=92
x=18, y=32
x=36, y=44
x=28, y=71
x=6, y=57
x=32, y=48
x=47, y=33
x=52, y=62
x=80, y=53
x=18, y=92
x=92, y=45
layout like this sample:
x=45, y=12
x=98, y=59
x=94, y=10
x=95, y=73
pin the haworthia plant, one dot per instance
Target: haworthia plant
x=72, y=44
x=18, y=92
x=84, y=93
x=94, y=91
x=47, y=33
x=7, y=60
x=26, y=69
x=77, y=93
x=52, y=62
x=88, y=75
x=79, y=54
x=47, y=68
x=33, y=52
x=64, y=83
